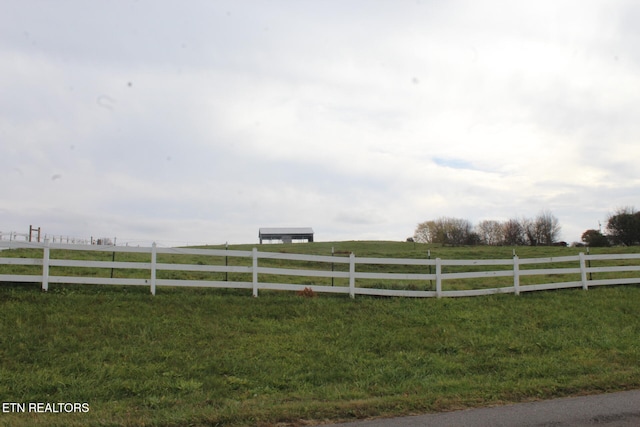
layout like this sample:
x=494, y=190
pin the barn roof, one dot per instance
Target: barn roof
x=286, y=230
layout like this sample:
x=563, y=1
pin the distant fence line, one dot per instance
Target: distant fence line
x=13, y=236
x=107, y=241
x=351, y=274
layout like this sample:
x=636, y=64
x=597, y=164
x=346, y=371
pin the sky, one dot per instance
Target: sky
x=193, y=122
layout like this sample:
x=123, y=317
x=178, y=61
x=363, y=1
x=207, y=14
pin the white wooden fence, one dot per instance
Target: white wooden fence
x=351, y=274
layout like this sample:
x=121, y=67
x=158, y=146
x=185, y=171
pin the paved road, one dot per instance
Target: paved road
x=607, y=410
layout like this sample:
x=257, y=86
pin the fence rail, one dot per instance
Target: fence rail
x=250, y=271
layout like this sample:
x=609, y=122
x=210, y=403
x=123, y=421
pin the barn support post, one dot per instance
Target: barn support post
x=352, y=275
x=45, y=266
x=154, y=256
x=516, y=275
x=255, y=272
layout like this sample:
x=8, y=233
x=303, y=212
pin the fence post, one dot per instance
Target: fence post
x=154, y=256
x=352, y=275
x=255, y=272
x=583, y=271
x=332, y=265
x=438, y=278
x=45, y=266
x=516, y=275
x=429, y=258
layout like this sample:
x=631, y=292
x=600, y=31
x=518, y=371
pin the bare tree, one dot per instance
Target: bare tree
x=547, y=228
x=543, y=230
x=458, y=231
x=445, y=230
x=530, y=231
x=425, y=232
x=490, y=232
x=513, y=233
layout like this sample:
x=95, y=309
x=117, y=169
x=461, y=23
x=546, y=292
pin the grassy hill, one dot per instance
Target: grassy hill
x=206, y=357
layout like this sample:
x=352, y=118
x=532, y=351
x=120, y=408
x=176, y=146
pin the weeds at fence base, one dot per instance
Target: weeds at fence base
x=306, y=292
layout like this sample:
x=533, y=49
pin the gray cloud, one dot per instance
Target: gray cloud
x=202, y=122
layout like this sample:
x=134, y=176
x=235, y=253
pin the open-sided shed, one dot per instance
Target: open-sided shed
x=286, y=234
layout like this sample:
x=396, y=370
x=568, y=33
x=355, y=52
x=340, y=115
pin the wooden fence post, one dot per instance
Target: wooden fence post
x=583, y=271
x=516, y=275
x=438, y=278
x=154, y=256
x=255, y=272
x=352, y=275
x=45, y=266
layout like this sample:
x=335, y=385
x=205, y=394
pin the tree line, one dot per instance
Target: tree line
x=623, y=228
x=542, y=230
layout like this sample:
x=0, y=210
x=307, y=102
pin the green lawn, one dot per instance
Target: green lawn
x=207, y=357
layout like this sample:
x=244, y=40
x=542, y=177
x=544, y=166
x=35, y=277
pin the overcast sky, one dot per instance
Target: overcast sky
x=202, y=121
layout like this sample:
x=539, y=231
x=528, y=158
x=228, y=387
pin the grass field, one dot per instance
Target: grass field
x=206, y=357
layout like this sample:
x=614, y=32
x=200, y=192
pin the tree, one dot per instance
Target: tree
x=624, y=226
x=458, y=232
x=425, y=232
x=513, y=233
x=594, y=238
x=547, y=228
x=543, y=230
x=490, y=232
x=446, y=231
x=530, y=232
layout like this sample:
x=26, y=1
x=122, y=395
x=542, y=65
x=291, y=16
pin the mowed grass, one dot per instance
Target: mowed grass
x=206, y=357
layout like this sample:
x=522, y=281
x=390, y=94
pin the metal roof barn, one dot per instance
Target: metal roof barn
x=286, y=234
